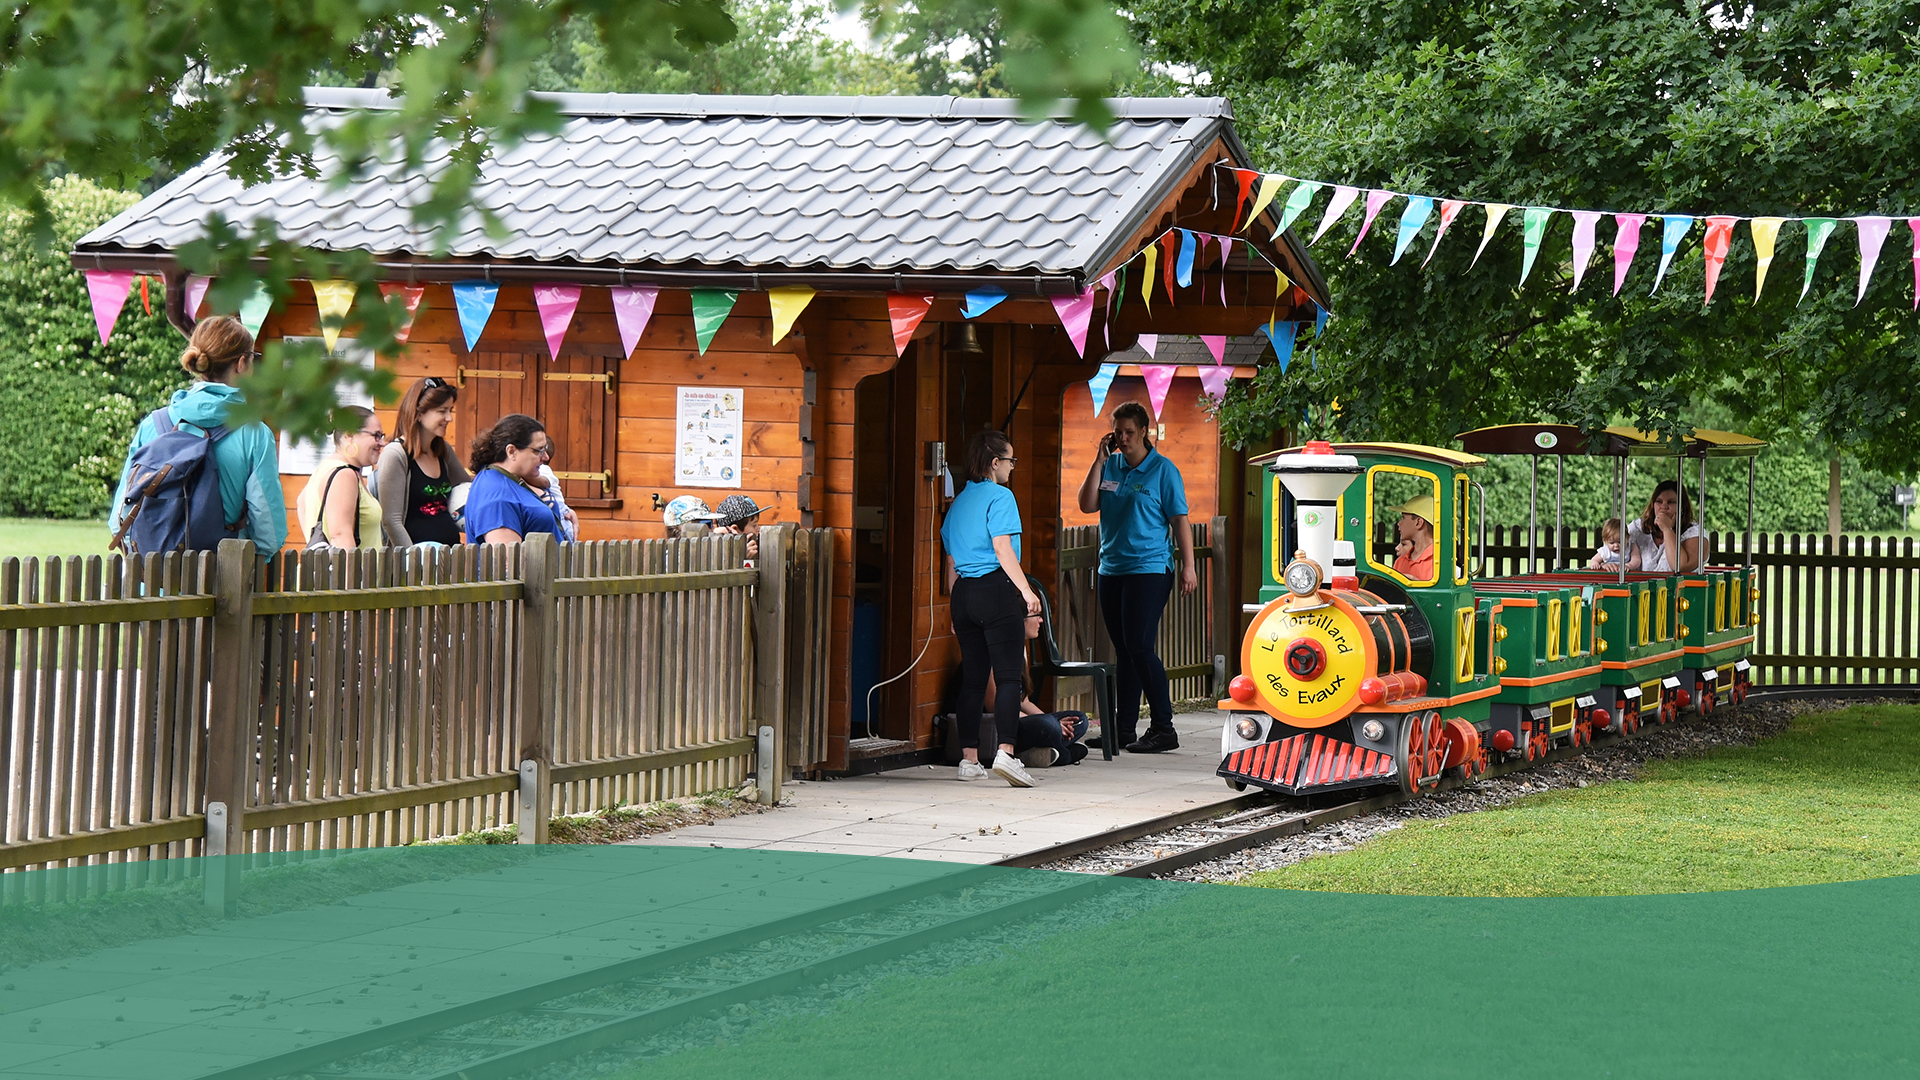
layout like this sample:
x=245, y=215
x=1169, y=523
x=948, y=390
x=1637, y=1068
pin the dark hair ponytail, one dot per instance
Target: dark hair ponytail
x=982, y=449
x=1136, y=413
x=490, y=446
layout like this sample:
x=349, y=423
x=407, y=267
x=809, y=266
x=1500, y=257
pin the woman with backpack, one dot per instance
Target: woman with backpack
x=246, y=460
x=419, y=469
x=336, y=510
x=504, y=506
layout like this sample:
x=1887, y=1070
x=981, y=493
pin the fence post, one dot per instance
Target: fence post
x=770, y=658
x=231, y=701
x=1225, y=615
x=538, y=553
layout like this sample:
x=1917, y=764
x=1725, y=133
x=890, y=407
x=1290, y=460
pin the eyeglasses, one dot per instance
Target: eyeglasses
x=1008, y=460
x=544, y=451
x=377, y=436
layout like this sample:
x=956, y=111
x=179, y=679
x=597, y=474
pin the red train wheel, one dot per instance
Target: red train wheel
x=1436, y=745
x=1413, y=754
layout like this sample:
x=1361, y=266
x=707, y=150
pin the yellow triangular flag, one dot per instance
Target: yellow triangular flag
x=1152, y=252
x=1269, y=187
x=1765, y=231
x=1496, y=213
x=334, y=299
x=787, y=302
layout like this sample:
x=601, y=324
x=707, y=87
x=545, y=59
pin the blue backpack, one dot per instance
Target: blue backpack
x=173, y=494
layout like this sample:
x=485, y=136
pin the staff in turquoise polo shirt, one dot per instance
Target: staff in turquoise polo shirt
x=1139, y=496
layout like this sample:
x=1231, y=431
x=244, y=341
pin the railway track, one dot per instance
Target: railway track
x=516, y=1033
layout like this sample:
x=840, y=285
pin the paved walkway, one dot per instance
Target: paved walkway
x=924, y=813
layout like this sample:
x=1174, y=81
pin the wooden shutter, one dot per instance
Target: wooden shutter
x=581, y=410
x=493, y=385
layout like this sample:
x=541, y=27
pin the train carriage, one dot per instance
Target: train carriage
x=1359, y=669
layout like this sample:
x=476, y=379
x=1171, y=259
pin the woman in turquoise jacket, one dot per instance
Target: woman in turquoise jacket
x=221, y=351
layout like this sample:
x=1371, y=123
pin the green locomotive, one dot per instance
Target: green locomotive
x=1376, y=662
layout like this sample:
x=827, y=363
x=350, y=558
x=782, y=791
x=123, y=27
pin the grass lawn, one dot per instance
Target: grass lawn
x=1833, y=799
x=24, y=537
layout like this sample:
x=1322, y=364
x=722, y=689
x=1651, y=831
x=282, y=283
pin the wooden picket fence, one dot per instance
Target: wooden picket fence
x=194, y=704
x=1834, y=611
x=1190, y=631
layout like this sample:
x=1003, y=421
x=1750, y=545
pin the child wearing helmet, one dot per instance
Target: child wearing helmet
x=686, y=510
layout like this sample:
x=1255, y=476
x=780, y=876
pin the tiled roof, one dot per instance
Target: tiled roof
x=1245, y=351
x=877, y=184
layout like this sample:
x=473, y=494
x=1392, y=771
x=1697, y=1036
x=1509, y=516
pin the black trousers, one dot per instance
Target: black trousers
x=1131, y=605
x=990, y=618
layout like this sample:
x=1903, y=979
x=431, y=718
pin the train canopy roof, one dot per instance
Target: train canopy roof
x=1567, y=440
x=1439, y=455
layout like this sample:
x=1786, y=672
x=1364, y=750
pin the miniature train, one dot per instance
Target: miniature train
x=1354, y=674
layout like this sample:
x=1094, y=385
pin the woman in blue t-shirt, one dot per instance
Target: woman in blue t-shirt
x=503, y=506
x=991, y=602
x=1139, y=496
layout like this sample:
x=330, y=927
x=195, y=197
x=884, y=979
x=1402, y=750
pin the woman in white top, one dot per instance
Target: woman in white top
x=1667, y=538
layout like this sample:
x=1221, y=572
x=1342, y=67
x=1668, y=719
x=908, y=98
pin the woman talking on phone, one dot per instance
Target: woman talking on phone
x=1139, y=496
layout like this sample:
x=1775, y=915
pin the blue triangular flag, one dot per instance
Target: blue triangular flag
x=1282, y=335
x=474, y=301
x=1183, y=269
x=1411, y=221
x=1673, y=229
x=1098, y=385
x=1319, y=320
x=981, y=301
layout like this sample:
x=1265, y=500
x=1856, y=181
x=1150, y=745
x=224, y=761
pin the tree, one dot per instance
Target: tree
x=1787, y=107
x=115, y=92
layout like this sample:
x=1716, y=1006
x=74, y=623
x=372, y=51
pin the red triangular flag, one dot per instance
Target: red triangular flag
x=145, y=300
x=1246, y=178
x=905, y=310
x=1719, y=237
x=410, y=295
x=1171, y=242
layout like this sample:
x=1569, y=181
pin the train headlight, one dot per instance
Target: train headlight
x=1246, y=729
x=1373, y=731
x=1303, y=577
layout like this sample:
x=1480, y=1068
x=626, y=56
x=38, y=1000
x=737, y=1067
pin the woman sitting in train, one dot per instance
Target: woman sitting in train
x=1414, y=557
x=1665, y=535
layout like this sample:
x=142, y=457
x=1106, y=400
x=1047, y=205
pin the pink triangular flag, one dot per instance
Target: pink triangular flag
x=556, y=304
x=1343, y=197
x=1075, y=310
x=410, y=296
x=1148, y=343
x=1159, y=377
x=1217, y=345
x=1583, y=223
x=1913, y=224
x=1226, y=251
x=108, y=290
x=1213, y=380
x=632, y=308
x=1375, y=200
x=1106, y=324
x=1626, y=241
x=196, y=292
x=1873, y=233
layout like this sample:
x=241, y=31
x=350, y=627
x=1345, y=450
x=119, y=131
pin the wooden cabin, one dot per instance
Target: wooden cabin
x=870, y=202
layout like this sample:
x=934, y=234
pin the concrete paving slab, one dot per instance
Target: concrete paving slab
x=924, y=813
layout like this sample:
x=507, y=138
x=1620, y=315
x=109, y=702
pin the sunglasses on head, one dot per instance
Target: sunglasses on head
x=434, y=382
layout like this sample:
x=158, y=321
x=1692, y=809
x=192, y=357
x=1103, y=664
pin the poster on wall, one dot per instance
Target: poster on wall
x=302, y=457
x=707, y=428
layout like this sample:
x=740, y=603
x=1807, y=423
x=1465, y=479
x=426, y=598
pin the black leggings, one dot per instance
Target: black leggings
x=1131, y=606
x=990, y=618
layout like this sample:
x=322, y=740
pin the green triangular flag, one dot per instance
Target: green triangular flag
x=1297, y=204
x=1533, y=224
x=253, y=310
x=710, y=309
x=1818, y=229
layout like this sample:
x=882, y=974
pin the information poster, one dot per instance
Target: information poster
x=302, y=457
x=706, y=447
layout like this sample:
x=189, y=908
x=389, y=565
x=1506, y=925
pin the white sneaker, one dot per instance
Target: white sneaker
x=972, y=770
x=1008, y=768
x=1039, y=757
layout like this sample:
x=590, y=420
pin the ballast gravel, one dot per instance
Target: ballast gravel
x=1622, y=761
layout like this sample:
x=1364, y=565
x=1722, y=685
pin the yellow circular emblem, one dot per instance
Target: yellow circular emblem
x=1306, y=656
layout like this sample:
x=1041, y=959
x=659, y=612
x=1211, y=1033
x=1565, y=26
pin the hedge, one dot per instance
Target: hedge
x=68, y=404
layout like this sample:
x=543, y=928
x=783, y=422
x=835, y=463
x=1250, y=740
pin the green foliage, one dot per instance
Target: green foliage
x=68, y=403
x=1829, y=800
x=781, y=48
x=1789, y=107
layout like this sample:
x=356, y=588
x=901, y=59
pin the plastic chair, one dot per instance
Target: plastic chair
x=1050, y=664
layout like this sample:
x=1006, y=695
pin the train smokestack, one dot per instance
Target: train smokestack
x=1315, y=477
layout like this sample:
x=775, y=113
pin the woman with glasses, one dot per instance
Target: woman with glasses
x=991, y=602
x=505, y=506
x=419, y=469
x=335, y=509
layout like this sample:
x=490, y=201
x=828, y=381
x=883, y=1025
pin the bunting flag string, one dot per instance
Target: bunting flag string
x=1099, y=384
x=633, y=310
x=409, y=297
x=556, y=303
x=786, y=303
x=334, y=299
x=1159, y=378
x=473, y=302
